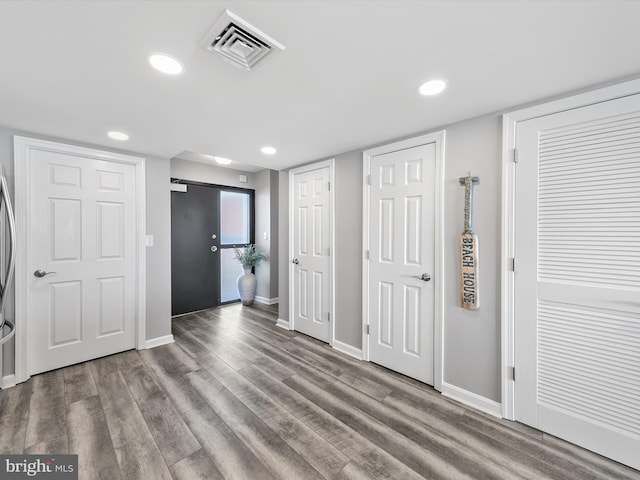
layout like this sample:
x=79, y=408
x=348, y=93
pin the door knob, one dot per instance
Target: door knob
x=425, y=277
x=295, y=261
x=41, y=273
x=214, y=248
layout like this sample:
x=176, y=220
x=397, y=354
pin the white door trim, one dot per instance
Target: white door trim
x=509, y=122
x=438, y=138
x=332, y=222
x=21, y=148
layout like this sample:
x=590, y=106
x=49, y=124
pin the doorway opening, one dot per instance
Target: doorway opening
x=81, y=276
x=570, y=230
x=311, y=247
x=207, y=223
x=402, y=271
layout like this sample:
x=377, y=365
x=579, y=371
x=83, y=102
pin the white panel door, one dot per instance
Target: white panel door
x=577, y=286
x=312, y=255
x=82, y=258
x=402, y=230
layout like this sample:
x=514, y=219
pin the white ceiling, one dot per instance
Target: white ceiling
x=347, y=79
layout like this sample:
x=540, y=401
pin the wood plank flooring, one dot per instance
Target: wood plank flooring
x=238, y=398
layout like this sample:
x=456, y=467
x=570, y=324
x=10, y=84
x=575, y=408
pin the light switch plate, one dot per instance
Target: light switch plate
x=149, y=240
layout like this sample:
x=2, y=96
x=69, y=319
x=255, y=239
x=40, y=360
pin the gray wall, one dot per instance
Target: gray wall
x=158, y=302
x=348, y=251
x=472, y=338
x=158, y=256
x=273, y=234
x=263, y=225
x=202, y=172
x=283, y=245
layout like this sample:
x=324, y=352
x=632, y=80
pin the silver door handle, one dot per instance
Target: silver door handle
x=41, y=273
x=214, y=248
x=425, y=277
x=295, y=261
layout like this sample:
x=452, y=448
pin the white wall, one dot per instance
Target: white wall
x=158, y=302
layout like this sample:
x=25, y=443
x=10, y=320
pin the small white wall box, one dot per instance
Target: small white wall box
x=178, y=187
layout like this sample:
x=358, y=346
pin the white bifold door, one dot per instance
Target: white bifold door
x=401, y=265
x=311, y=251
x=577, y=283
x=82, y=260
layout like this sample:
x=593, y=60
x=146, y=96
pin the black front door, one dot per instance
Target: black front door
x=207, y=223
x=195, y=249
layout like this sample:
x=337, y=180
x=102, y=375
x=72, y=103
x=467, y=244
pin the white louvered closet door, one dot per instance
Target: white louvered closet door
x=577, y=300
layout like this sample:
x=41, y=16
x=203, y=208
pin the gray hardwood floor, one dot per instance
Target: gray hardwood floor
x=238, y=398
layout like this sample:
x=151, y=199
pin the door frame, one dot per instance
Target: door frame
x=438, y=275
x=509, y=165
x=332, y=223
x=22, y=165
x=252, y=213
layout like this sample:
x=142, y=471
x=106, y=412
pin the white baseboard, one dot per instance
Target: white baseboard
x=283, y=324
x=472, y=399
x=347, y=349
x=8, y=381
x=156, y=342
x=266, y=301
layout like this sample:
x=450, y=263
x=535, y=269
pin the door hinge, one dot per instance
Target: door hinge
x=513, y=264
x=368, y=179
x=516, y=157
x=366, y=254
x=512, y=373
x=328, y=316
x=329, y=186
x=366, y=329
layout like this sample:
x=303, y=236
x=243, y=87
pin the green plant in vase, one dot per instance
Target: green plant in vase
x=248, y=257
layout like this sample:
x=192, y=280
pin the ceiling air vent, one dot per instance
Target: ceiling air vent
x=239, y=42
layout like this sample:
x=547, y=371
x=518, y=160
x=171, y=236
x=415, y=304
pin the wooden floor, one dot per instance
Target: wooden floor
x=238, y=398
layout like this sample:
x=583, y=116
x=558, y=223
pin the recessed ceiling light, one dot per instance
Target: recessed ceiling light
x=118, y=136
x=432, y=87
x=222, y=160
x=165, y=64
x=267, y=150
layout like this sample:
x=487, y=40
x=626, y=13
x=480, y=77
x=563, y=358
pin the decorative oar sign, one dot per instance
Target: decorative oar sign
x=469, y=297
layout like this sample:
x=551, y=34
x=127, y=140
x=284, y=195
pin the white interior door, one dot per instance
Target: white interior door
x=402, y=237
x=81, y=237
x=311, y=262
x=577, y=285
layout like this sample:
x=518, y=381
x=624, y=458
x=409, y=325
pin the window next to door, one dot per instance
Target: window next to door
x=236, y=227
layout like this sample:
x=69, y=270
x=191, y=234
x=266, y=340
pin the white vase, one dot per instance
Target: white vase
x=247, y=286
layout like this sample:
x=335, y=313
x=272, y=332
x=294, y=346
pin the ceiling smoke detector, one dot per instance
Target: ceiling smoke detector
x=239, y=42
